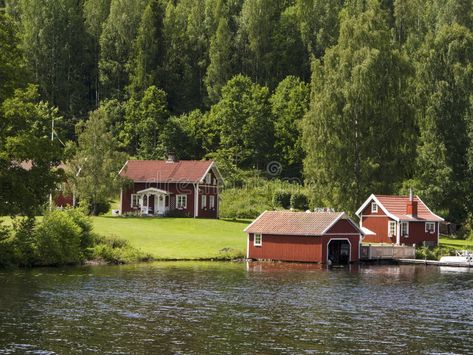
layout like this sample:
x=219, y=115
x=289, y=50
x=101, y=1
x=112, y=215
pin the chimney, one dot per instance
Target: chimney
x=411, y=209
x=171, y=158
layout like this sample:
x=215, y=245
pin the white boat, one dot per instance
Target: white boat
x=462, y=256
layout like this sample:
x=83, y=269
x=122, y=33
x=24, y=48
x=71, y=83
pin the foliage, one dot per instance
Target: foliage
x=433, y=253
x=282, y=199
x=25, y=138
x=96, y=162
x=357, y=93
x=114, y=250
x=299, y=201
x=254, y=196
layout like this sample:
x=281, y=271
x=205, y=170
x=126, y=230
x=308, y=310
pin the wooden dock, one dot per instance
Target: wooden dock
x=387, y=252
x=434, y=262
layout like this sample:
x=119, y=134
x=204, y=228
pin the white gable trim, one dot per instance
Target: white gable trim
x=333, y=222
x=257, y=218
x=428, y=209
x=375, y=199
x=123, y=167
x=213, y=167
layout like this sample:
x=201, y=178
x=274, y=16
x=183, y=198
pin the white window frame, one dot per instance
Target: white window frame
x=259, y=237
x=208, y=179
x=390, y=224
x=181, y=202
x=212, y=201
x=203, y=201
x=431, y=230
x=374, y=207
x=214, y=181
x=135, y=198
x=407, y=229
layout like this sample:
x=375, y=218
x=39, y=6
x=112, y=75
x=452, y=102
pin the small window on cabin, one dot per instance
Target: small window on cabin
x=215, y=181
x=391, y=229
x=374, y=207
x=258, y=240
x=181, y=202
x=212, y=201
x=203, y=201
x=430, y=227
x=135, y=200
x=208, y=179
x=405, y=229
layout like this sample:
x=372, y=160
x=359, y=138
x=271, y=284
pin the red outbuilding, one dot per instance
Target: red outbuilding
x=398, y=220
x=321, y=237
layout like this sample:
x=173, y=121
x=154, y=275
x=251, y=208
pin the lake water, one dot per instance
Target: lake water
x=233, y=308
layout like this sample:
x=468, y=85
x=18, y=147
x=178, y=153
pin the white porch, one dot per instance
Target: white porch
x=152, y=201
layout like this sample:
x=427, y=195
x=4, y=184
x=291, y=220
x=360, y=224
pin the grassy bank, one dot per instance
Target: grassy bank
x=457, y=243
x=177, y=238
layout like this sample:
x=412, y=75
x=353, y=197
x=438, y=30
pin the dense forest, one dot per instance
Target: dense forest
x=347, y=97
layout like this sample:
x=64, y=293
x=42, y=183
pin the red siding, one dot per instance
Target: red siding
x=378, y=225
x=208, y=190
x=174, y=189
x=303, y=248
x=417, y=234
x=367, y=210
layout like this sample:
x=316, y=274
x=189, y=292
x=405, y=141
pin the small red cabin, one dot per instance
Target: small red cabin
x=321, y=237
x=166, y=187
x=398, y=220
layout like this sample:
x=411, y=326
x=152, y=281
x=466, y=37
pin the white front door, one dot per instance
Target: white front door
x=159, y=204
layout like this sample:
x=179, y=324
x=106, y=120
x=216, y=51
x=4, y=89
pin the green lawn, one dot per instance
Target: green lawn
x=176, y=238
x=456, y=243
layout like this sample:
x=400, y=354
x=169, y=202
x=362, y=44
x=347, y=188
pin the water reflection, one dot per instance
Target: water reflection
x=191, y=307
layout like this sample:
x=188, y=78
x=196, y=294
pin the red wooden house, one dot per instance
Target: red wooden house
x=169, y=187
x=398, y=220
x=304, y=236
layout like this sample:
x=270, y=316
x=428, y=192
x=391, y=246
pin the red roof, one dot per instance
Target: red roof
x=192, y=171
x=295, y=223
x=397, y=205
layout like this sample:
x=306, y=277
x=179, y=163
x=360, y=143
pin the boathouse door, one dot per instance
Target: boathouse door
x=338, y=251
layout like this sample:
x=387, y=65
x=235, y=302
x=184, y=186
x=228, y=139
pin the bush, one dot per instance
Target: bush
x=24, y=241
x=299, y=201
x=436, y=253
x=282, y=199
x=230, y=254
x=58, y=240
x=101, y=207
x=117, y=251
x=6, y=247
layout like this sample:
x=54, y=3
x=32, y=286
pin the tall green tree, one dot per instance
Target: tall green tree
x=289, y=103
x=147, y=67
x=95, y=15
x=28, y=157
x=220, y=68
x=444, y=87
x=12, y=71
x=243, y=119
x=116, y=46
x=96, y=162
x=359, y=133
x=54, y=42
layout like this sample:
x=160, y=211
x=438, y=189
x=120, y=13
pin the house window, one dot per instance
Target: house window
x=135, y=200
x=204, y=201
x=181, y=202
x=208, y=179
x=391, y=229
x=405, y=229
x=215, y=181
x=374, y=207
x=430, y=227
x=258, y=240
x=212, y=201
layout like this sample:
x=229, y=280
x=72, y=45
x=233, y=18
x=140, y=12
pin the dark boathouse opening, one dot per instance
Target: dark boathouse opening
x=339, y=252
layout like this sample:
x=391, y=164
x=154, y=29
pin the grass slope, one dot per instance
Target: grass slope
x=456, y=243
x=176, y=238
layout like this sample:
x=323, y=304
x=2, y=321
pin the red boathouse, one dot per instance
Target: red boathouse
x=321, y=237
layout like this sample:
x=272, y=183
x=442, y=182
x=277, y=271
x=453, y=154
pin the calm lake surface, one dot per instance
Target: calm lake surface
x=203, y=307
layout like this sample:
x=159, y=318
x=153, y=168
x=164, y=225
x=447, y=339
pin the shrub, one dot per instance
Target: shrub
x=24, y=241
x=230, y=254
x=58, y=240
x=436, y=253
x=299, y=201
x=282, y=199
x=117, y=251
x=6, y=247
